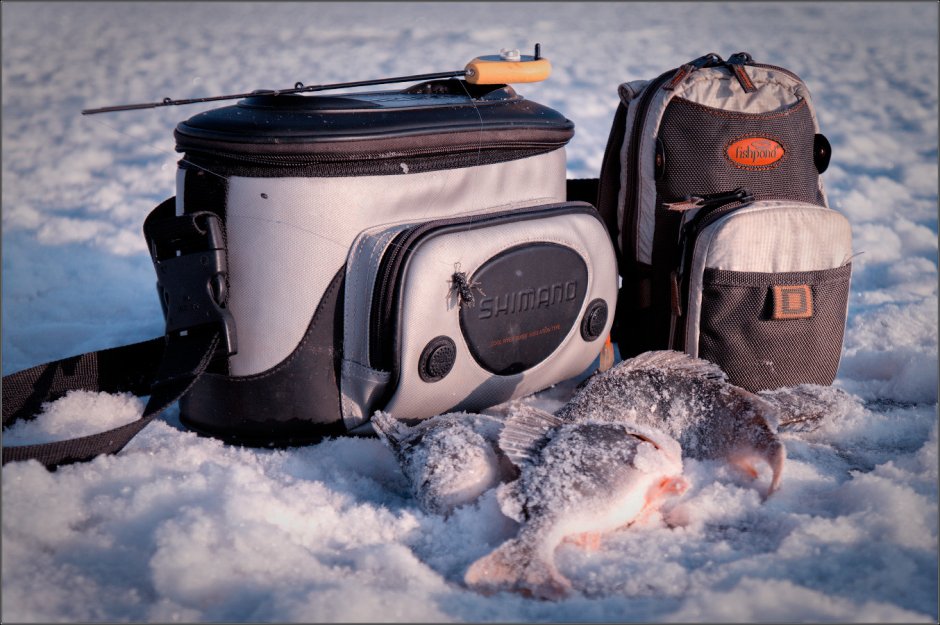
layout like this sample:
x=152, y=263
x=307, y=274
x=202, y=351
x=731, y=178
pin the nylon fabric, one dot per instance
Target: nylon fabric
x=695, y=139
x=794, y=238
x=758, y=352
x=429, y=311
x=768, y=237
x=287, y=237
x=128, y=368
x=714, y=87
x=629, y=93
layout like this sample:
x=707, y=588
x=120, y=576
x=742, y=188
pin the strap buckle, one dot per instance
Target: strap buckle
x=191, y=261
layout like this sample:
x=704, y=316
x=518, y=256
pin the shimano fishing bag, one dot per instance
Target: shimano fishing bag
x=727, y=247
x=328, y=256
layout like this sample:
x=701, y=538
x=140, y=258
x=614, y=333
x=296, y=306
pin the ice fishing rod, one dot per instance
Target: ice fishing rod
x=507, y=67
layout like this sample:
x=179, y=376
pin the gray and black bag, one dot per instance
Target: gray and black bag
x=727, y=247
x=328, y=256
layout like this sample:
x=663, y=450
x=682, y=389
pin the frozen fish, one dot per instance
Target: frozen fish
x=576, y=479
x=692, y=401
x=449, y=460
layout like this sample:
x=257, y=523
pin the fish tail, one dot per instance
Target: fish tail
x=514, y=567
x=391, y=431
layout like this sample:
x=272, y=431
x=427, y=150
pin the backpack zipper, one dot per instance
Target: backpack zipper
x=709, y=60
x=668, y=81
x=711, y=208
x=743, y=58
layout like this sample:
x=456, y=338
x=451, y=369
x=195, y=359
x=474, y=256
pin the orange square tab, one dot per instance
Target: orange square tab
x=792, y=301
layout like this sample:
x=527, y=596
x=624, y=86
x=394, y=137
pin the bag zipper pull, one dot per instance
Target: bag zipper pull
x=710, y=204
x=708, y=200
x=688, y=203
x=726, y=197
x=736, y=64
x=709, y=60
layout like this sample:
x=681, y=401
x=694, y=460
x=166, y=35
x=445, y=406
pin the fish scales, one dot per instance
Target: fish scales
x=576, y=479
x=449, y=460
x=688, y=398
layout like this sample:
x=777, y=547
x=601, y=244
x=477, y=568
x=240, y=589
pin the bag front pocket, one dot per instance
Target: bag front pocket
x=768, y=330
x=467, y=312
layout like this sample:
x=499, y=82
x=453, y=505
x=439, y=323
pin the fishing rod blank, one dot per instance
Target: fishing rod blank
x=507, y=67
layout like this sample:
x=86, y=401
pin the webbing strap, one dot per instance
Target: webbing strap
x=130, y=368
x=164, y=368
x=190, y=258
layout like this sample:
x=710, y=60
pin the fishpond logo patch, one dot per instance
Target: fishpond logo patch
x=755, y=152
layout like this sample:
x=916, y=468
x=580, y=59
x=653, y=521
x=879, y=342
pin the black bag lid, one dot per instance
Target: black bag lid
x=441, y=115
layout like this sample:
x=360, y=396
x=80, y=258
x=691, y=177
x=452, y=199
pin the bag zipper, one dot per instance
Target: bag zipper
x=737, y=62
x=383, y=333
x=668, y=81
x=711, y=208
x=301, y=160
x=709, y=60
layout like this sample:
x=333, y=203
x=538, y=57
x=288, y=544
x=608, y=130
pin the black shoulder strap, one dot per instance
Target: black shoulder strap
x=163, y=368
x=131, y=368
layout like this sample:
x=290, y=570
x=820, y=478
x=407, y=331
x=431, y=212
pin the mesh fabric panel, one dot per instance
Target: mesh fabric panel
x=695, y=140
x=739, y=334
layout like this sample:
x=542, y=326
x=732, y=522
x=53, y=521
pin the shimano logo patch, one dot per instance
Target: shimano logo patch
x=531, y=299
x=526, y=300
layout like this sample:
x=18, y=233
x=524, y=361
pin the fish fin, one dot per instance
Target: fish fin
x=805, y=407
x=675, y=361
x=513, y=567
x=510, y=500
x=776, y=459
x=524, y=433
x=391, y=431
x=746, y=465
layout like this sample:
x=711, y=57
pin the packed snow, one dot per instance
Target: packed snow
x=179, y=527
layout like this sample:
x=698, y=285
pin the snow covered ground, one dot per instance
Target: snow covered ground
x=181, y=528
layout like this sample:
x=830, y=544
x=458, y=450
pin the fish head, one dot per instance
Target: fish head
x=452, y=467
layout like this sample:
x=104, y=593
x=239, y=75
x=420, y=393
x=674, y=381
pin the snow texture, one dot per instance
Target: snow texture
x=183, y=528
